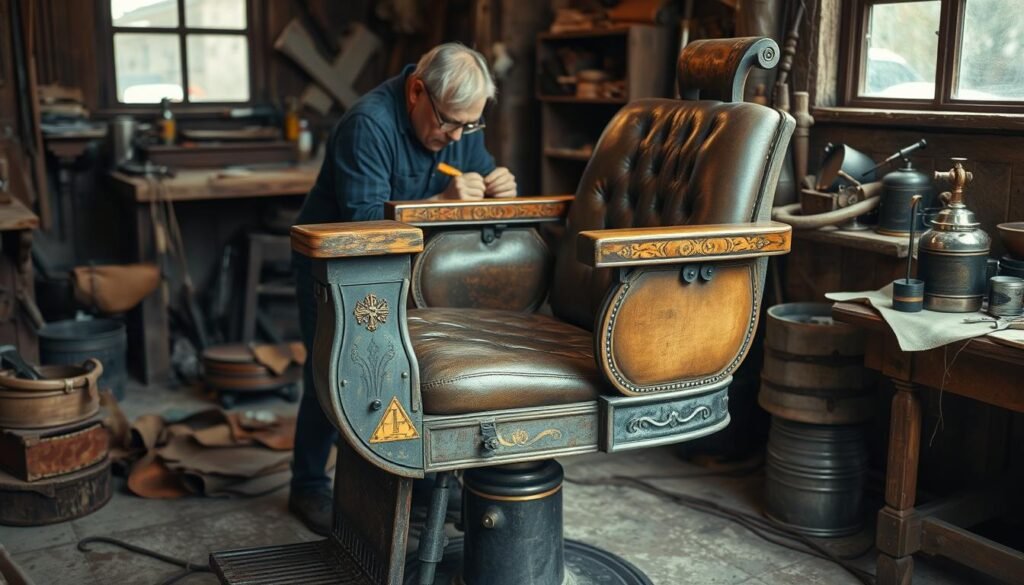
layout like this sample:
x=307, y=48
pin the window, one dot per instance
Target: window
x=161, y=47
x=935, y=54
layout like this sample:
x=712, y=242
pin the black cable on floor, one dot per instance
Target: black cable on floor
x=761, y=527
x=188, y=568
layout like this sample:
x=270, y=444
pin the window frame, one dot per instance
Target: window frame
x=947, y=63
x=108, y=92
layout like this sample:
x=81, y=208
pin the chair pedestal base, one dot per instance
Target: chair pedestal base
x=512, y=516
x=584, y=565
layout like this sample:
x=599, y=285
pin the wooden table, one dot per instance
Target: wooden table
x=985, y=371
x=148, y=329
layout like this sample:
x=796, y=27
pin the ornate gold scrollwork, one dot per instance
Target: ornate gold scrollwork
x=371, y=311
x=695, y=247
x=521, y=438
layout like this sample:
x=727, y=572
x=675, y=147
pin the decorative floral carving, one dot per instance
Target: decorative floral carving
x=371, y=311
x=673, y=419
x=521, y=438
x=683, y=248
x=373, y=365
x=437, y=214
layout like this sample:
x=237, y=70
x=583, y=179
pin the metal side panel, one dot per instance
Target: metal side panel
x=306, y=563
x=634, y=422
x=509, y=436
x=366, y=373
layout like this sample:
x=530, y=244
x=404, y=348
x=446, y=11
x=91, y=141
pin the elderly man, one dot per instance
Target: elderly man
x=388, y=147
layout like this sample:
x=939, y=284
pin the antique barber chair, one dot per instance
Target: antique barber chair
x=655, y=295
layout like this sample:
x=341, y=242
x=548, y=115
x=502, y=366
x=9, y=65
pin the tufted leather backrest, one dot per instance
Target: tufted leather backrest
x=667, y=162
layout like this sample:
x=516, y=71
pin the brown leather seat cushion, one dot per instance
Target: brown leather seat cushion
x=482, y=359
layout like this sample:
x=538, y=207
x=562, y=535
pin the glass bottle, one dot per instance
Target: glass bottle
x=167, y=123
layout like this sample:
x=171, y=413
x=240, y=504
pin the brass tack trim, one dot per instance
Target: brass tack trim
x=497, y=498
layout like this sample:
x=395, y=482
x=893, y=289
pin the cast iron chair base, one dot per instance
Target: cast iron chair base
x=585, y=565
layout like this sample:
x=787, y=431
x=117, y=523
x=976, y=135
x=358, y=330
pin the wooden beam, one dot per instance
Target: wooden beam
x=989, y=557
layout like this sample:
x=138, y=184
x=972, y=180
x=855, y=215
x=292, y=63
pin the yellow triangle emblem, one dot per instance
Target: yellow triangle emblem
x=395, y=425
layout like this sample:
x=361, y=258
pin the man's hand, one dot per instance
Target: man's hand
x=467, y=186
x=500, y=183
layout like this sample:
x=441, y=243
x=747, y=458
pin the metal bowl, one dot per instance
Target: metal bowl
x=1012, y=234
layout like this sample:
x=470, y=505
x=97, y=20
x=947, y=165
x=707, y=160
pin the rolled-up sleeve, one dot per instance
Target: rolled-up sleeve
x=362, y=164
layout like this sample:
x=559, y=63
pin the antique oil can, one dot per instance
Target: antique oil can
x=898, y=189
x=952, y=254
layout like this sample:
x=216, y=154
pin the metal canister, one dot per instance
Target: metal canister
x=898, y=189
x=122, y=136
x=1005, y=296
x=953, y=254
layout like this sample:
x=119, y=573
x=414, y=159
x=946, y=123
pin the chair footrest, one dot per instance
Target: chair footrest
x=308, y=563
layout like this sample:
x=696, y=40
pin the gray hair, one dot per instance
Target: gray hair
x=455, y=75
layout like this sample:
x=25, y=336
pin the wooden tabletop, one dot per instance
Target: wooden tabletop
x=867, y=240
x=867, y=318
x=15, y=216
x=206, y=184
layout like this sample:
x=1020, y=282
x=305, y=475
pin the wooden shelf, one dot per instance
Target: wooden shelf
x=568, y=154
x=637, y=56
x=867, y=240
x=571, y=99
x=618, y=30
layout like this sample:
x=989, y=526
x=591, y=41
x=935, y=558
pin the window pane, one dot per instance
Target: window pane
x=990, y=63
x=215, y=13
x=144, y=13
x=218, y=68
x=902, y=43
x=148, y=67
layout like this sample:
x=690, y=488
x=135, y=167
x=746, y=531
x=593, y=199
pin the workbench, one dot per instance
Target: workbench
x=983, y=370
x=148, y=327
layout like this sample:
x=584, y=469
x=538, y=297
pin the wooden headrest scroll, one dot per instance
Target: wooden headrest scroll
x=716, y=69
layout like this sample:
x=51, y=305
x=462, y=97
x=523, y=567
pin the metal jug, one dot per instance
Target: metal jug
x=952, y=255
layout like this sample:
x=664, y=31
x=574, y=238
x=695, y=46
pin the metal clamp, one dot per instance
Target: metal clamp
x=489, y=233
x=489, y=437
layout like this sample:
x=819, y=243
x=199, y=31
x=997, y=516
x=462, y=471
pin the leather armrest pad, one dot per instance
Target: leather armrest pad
x=485, y=211
x=664, y=245
x=364, y=238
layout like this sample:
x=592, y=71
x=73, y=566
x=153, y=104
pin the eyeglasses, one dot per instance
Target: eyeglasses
x=450, y=126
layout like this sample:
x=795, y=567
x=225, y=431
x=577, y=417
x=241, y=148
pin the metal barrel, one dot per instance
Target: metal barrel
x=814, y=367
x=73, y=342
x=814, y=476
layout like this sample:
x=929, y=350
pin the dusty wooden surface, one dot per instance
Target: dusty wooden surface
x=365, y=238
x=205, y=184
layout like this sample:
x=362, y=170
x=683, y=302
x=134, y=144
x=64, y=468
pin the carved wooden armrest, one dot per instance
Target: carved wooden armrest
x=368, y=238
x=669, y=245
x=544, y=208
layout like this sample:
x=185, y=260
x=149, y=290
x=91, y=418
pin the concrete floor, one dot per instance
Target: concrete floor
x=672, y=544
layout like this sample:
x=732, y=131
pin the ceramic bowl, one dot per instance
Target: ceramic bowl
x=1012, y=234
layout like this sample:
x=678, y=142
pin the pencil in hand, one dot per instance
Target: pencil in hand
x=449, y=170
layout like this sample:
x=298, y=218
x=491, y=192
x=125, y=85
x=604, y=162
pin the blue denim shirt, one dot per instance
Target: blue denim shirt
x=373, y=155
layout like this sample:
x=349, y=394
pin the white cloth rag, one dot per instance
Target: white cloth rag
x=925, y=329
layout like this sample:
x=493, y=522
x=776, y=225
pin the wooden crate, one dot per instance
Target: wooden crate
x=34, y=454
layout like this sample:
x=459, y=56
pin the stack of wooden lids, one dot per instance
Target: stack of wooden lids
x=54, y=462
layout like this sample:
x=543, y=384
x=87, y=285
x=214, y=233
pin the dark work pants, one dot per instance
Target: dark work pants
x=314, y=434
